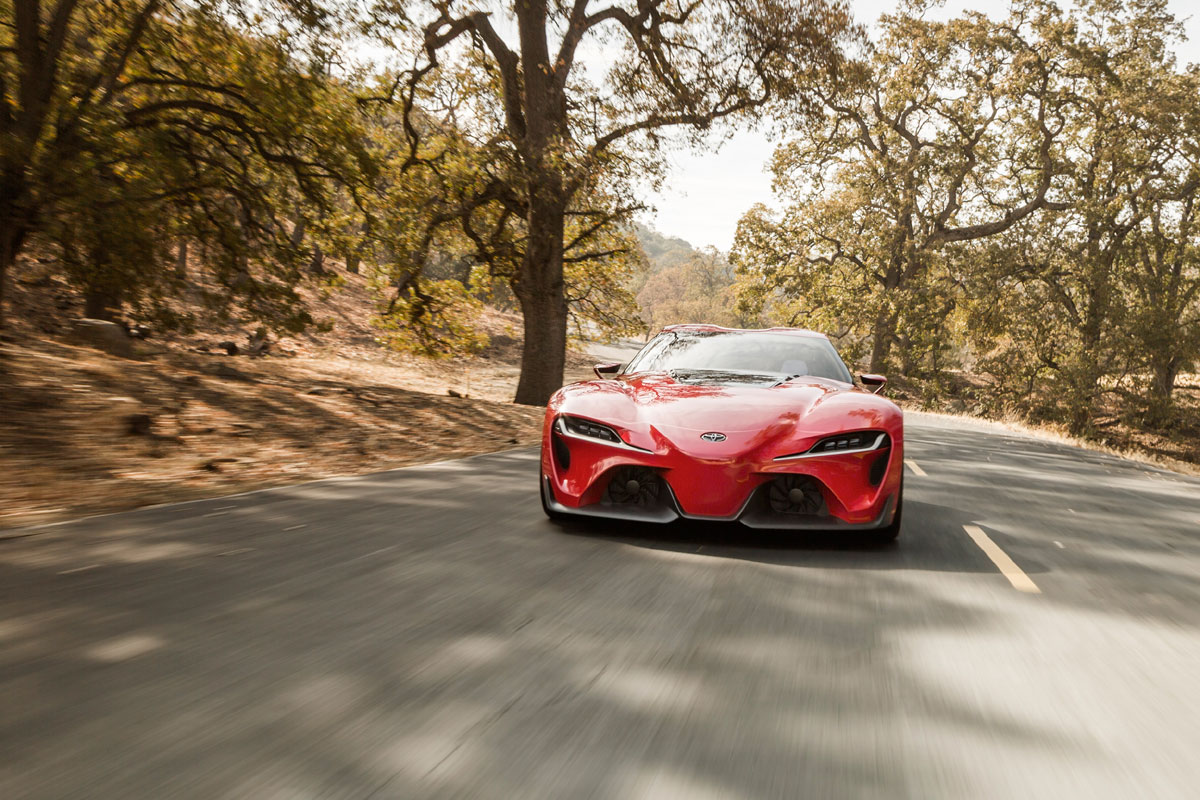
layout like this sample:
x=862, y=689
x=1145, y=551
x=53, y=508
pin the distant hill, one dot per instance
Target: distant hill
x=664, y=251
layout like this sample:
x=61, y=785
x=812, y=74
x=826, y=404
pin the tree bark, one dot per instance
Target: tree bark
x=13, y=230
x=540, y=286
x=1166, y=370
x=10, y=244
x=298, y=230
x=181, y=259
x=543, y=301
x=316, y=264
x=99, y=304
x=881, y=341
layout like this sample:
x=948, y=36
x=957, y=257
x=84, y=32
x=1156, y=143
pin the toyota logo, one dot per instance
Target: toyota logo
x=713, y=436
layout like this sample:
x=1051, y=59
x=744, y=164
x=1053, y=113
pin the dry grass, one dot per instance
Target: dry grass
x=318, y=405
x=219, y=426
x=1059, y=434
x=1175, y=447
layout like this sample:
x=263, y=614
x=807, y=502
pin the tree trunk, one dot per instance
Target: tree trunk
x=1083, y=391
x=13, y=230
x=298, y=230
x=907, y=366
x=543, y=301
x=99, y=304
x=881, y=341
x=102, y=293
x=1160, y=408
x=354, y=258
x=1166, y=370
x=9, y=245
x=539, y=286
x=316, y=264
x=181, y=260
x=1087, y=374
x=543, y=356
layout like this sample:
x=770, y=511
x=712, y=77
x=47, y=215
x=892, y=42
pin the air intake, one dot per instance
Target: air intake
x=562, y=453
x=795, y=494
x=634, y=486
x=878, y=468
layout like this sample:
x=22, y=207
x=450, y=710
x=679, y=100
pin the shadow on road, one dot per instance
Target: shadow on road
x=931, y=539
x=426, y=633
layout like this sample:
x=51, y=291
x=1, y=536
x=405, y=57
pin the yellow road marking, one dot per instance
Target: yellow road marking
x=916, y=468
x=1016, y=577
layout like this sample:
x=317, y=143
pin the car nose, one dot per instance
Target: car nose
x=713, y=446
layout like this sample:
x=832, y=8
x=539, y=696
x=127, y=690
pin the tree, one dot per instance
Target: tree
x=1106, y=276
x=674, y=64
x=1164, y=279
x=129, y=128
x=946, y=132
x=700, y=289
x=447, y=245
x=664, y=251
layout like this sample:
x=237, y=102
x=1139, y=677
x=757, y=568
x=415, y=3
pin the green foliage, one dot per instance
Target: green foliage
x=942, y=133
x=1096, y=297
x=155, y=129
x=700, y=289
x=436, y=318
x=541, y=154
x=663, y=251
x=444, y=206
x=1016, y=197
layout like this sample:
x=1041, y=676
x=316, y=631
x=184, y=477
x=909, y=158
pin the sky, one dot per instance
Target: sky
x=706, y=193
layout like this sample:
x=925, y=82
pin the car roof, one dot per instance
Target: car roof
x=718, y=328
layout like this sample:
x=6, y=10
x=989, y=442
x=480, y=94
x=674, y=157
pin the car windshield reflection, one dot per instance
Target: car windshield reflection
x=740, y=356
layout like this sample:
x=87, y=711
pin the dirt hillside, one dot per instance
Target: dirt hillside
x=83, y=431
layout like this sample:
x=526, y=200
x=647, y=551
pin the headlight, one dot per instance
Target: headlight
x=577, y=428
x=856, y=442
x=843, y=443
x=588, y=429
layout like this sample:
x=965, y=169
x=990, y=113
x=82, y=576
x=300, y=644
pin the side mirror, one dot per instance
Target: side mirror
x=873, y=382
x=608, y=370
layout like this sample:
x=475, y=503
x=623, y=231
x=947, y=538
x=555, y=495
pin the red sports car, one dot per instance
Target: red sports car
x=766, y=427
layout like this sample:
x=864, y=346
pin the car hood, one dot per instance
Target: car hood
x=678, y=405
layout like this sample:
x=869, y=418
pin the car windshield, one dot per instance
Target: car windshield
x=741, y=353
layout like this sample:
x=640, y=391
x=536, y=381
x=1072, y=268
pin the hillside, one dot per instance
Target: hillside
x=87, y=432
x=663, y=251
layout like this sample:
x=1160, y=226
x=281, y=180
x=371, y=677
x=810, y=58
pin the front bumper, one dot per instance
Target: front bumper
x=756, y=513
x=732, y=486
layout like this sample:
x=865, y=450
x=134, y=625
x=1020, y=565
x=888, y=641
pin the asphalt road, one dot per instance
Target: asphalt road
x=426, y=633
